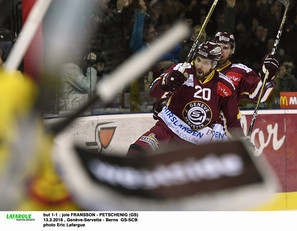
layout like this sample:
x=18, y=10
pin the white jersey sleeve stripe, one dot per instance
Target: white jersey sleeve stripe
x=222, y=76
x=266, y=94
x=257, y=90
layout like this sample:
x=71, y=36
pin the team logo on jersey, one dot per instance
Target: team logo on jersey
x=151, y=140
x=235, y=77
x=197, y=114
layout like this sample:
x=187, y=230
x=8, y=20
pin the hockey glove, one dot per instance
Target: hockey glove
x=271, y=63
x=158, y=106
x=172, y=80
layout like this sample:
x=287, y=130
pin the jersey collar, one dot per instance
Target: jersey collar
x=208, y=78
x=226, y=65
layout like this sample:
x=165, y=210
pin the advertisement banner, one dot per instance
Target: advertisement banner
x=288, y=100
x=275, y=138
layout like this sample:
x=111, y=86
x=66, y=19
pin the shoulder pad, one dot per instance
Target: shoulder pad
x=225, y=78
x=242, y=67
x=179, y=66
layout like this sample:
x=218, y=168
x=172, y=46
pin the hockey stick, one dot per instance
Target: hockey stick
x=286, y=3
x=136, y=65
x=22, y=43
x=196, y=42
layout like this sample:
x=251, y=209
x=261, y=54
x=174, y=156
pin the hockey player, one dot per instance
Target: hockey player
x=247, y=82
x=193, y=113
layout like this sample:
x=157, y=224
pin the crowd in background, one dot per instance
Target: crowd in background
x=254, y=24
x=120, y=28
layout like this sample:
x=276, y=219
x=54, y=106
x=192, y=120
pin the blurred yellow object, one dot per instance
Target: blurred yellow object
x=28, y=179
x=280, y=201
x=17, y=94
x=45, y=190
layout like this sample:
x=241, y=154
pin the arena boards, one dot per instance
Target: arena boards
x=273, y=136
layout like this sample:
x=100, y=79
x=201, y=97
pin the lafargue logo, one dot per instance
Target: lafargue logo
x=20, y=216
x=103, y=136
x=197, y=114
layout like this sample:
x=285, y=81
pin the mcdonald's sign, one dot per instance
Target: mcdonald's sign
x=288, y=100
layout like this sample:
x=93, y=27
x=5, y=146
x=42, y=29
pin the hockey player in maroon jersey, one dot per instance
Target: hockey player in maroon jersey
x=246, y=81
x=196, y=104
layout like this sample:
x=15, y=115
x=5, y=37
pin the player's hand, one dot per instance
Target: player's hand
x=158, y=106
x=172, y=80
x=271, y=63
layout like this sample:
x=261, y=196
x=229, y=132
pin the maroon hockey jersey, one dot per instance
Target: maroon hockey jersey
x=200, y=104
x=246, y=81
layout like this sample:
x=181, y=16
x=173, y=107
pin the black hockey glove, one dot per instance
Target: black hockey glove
x=271, y=63
x=172, y=80
x=158, y=106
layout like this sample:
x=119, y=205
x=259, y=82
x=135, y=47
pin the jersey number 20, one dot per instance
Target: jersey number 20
x=202, y=93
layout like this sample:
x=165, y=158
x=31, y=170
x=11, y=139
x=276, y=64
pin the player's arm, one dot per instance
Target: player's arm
x=228, y=105
x=232, y=116
x=252, y=82
x=251, y=87
x=155, y=88
x=168, y=81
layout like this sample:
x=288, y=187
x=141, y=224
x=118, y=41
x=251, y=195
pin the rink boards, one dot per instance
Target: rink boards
x=274, y=135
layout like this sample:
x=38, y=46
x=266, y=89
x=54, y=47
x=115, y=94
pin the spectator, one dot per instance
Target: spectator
x=155, y=11
x=273, y=19
x=187, y=44
x=172, y=56
x=257, y=44
x=269, y=46
x=114, y=27
x=260, y=9
x=76, y=84
x=114, y=32
x=192, y=13
x=287, y=81
x=244, y=12
x=289, y=38
x=228, y=15
x=143, y=34
x=172, y=10
x=242, y=49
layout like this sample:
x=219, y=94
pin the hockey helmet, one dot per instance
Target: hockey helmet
x=225, y=37
x=210, y=50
